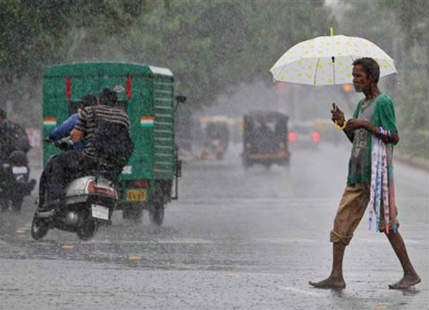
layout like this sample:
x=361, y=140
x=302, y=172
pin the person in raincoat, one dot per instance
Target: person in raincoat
x=373, y=118
x=12, y=137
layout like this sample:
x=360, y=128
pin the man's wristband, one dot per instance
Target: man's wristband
x=385, y=132
x=341, y=127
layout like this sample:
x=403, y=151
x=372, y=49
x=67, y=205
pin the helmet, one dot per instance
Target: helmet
x=3, y=114
x=18, y=157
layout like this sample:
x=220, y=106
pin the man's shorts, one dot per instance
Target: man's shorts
x=350, y=212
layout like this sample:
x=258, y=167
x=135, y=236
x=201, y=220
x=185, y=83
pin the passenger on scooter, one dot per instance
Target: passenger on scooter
x=59, y=133
x=105, y=130
x=67, y=126
x=61, y=169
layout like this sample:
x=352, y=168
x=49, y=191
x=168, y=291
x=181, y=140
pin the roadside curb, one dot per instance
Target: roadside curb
x=410, y=160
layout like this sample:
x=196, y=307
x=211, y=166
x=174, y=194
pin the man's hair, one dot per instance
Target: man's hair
x=89, y=100
x=3, y=114
x=370, y=66
x=108, y=97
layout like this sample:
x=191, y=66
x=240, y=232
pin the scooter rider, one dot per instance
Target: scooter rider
x=62, y=168
x=14, y=144
x=59, y=133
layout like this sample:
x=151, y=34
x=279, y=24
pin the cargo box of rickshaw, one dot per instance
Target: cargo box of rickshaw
x=147, y=94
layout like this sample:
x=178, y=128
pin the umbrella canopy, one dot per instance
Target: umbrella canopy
x=327, y=60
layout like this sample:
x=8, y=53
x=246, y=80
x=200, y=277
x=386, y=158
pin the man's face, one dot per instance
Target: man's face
x=361, y=81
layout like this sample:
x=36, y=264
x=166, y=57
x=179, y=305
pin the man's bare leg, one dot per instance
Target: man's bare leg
x=335, y=280
x=410, y=277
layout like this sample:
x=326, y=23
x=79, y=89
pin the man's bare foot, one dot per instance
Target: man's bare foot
x=329, y=283
x=405, y=282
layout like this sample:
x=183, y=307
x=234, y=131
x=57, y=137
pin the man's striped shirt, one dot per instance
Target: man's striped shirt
x=86, y=124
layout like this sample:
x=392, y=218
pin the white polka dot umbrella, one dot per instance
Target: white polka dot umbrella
x=327, y=60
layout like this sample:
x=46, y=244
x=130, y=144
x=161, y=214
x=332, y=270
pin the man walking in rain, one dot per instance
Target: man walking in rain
x=374, y=117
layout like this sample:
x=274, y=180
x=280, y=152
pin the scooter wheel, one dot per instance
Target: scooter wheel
x=87, y=230
x=39, y=228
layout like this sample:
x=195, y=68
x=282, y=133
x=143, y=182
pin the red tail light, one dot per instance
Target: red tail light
x=68, y=88
x=316, y=136
x=140, y=184
x=128, y=87
x=107, y=191
x=19, y=164
x=292, y=136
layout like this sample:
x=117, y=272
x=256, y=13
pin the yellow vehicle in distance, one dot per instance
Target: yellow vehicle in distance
x=216, y=131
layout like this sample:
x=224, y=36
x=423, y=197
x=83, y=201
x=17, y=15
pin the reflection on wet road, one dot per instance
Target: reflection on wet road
x=244, y=239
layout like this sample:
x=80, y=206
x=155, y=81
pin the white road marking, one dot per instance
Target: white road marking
x=185, y=241
x=285, y=240
x=383, y=241
x=253, y=200
x=297, y=290
x=166, y=241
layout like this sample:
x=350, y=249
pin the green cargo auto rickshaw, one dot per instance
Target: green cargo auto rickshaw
x=149, y=180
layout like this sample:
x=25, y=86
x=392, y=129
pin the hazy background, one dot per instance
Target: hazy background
x=220, y=52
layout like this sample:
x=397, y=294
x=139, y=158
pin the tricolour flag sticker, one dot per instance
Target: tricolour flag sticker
x=49, y=121
x=146, y=121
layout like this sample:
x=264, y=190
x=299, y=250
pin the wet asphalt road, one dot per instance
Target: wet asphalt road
x=236, y=239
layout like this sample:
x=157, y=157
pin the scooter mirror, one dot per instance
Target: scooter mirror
x=180, y=98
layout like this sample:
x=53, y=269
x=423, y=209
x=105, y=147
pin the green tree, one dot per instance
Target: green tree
x=400, y=28
x=213, y=46
x=34, y=34
x=210, y=45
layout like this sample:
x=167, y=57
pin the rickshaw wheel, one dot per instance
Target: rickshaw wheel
x=134, y=214
x=156, y=213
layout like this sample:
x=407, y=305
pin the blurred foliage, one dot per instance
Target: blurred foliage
x=211, y=46
x=400, y=28
x=412, y=17
x=36, y=33
x=413, y=90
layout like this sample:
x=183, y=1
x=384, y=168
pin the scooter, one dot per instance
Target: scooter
x=14, y=181
x=89, y=202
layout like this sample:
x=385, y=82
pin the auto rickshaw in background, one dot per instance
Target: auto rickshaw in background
x=265, y=139
x=216, y=137
x=304, y=135
x=150, y=179
x=327, y=130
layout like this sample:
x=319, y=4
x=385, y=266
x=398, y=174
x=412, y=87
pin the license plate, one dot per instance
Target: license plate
x=136, y=195
x=19, y=170
x=100, y=212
